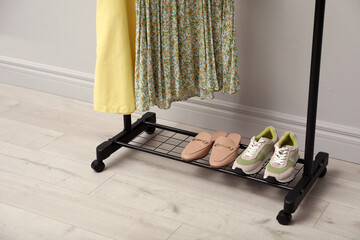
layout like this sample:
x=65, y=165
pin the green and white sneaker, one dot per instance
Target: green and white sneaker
x=252, y=159
x=281, y=167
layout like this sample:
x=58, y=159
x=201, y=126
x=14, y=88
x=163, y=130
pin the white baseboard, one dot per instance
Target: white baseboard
x=46, y=78
x=340, y=141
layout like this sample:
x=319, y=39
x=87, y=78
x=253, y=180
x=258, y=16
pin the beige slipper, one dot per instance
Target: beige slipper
x=225, y=150
x=200, y=145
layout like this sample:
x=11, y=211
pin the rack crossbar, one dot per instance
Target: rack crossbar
x=172, y=129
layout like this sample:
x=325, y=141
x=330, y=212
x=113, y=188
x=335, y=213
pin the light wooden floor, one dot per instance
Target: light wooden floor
x=49, y=191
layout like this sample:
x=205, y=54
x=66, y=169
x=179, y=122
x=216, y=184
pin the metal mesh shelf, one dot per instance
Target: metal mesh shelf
x=171, y=144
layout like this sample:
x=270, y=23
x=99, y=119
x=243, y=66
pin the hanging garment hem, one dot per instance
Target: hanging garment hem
x=166, y=104
x=125, y=110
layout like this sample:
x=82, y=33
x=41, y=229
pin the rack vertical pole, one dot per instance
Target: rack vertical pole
x=314, y=86
x=127, y=123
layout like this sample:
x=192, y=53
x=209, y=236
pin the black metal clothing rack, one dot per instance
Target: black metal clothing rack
x=169, y=145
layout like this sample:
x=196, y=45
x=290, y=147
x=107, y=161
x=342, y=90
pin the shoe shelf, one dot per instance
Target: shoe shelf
x=169, y=144
x=147, y=136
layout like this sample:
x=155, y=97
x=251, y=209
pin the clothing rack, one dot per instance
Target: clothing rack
x=307, y=170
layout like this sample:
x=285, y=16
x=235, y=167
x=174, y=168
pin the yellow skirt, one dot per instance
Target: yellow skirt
x=114, y=73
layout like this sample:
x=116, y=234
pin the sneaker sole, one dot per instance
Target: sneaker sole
x=272, y=179
x=237, y=167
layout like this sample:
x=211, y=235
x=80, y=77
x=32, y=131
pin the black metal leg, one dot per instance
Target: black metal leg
x=127, y=123
x=107, y=148
x=295, y=196
x=312, y=169
x=314, y=85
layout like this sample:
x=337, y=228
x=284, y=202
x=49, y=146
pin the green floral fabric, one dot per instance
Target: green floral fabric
x=184, y=48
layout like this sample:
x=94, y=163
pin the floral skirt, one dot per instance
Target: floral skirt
x=184, y=48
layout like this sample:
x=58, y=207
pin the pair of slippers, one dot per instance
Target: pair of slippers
x=224, y=148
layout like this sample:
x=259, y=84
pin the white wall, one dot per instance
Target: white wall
x=57, y=33
x=50, y=46
x=274, y=39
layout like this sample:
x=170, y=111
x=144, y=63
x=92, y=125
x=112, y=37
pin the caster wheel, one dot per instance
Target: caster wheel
x=98, y=166
x=283, y=218
x=150, y=130
x=323, y=173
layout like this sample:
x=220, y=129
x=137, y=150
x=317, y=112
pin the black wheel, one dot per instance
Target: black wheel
x=150, y=130
x=283, y=217
x=323, y=173
x=98, y=166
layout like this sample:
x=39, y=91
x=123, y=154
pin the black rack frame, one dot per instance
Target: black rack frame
x=312, y=169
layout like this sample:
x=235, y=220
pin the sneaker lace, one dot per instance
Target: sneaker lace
x=253, y=147
x=280, y=155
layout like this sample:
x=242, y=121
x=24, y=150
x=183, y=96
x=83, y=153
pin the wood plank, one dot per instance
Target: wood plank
x=101, y=217
x=51, y=169
x=26, y=135
x=17, y=224
x=341, y=221
x=42, y=116
x=344, y=170
x=24, y=95
x=59, y=113
x=80, y=143
x=63, y=117
x=6, y=103
x=214, y=216
x=337, y=190
x=194, y=233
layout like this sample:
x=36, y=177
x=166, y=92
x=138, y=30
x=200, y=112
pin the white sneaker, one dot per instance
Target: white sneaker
x=252, y=159
x=281, y=167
